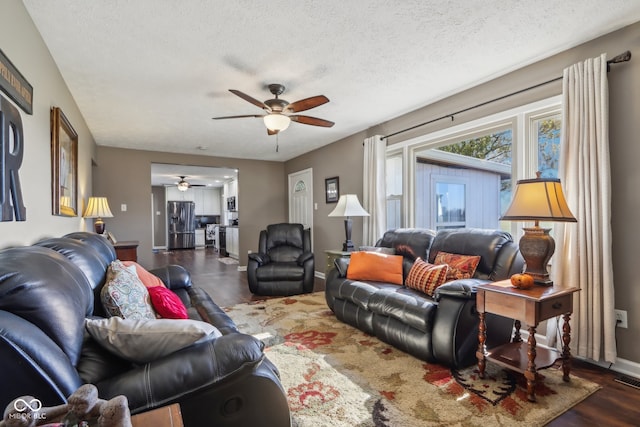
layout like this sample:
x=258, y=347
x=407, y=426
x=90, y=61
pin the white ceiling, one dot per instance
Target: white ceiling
x=150, y=74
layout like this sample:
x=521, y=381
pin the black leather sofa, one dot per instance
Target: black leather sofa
x=443, y=329
x=284, y=264
x=47, y=290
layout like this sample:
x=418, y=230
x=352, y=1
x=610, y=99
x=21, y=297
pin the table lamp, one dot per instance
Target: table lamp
x=348, y=206
x=98, y=208
x=539, y=199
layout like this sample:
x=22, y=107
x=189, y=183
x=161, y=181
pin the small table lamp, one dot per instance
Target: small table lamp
x=539, y=199
x=348, y=206
x=98, y=208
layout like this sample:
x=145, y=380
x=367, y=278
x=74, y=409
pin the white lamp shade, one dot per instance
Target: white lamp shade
x=276, y=122
x=97, y=207
x=349, y=205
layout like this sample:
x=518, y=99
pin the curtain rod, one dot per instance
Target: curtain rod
x=623, y=57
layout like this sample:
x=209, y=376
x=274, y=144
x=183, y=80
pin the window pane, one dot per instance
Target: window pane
x=394, y=192
x=466, y=183
x=548, y=138
x=450, y=202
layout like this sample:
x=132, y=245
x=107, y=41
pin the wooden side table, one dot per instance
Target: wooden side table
x=531, y=306
x=331, y=256
x=167, y=416
x=127, y=251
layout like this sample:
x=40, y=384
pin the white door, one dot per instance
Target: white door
x=301, y=198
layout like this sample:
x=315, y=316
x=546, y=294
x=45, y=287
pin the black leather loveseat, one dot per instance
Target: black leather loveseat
x=47, y=290
x=443, y=329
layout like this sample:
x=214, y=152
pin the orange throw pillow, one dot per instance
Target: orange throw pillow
x=375, y=266
x=426, y=277
x=148, y=279
x=460, y=266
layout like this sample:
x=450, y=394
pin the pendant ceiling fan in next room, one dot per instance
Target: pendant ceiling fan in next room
x=279, y=111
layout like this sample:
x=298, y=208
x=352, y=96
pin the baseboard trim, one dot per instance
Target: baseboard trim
x=319, y=275
x=621, y=366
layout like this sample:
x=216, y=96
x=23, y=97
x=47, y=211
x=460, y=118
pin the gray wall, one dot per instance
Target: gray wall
x=344, y=158
x=124, y=177
x=22, y=44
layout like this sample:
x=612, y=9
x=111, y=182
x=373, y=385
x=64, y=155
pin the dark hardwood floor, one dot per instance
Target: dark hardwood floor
x=614, y=405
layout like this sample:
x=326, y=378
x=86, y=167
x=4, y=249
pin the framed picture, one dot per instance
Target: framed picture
x=332, y=189
x=64, y=165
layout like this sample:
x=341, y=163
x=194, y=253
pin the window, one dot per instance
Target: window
x=450, y=200
x=463, y=176
x=394, y=192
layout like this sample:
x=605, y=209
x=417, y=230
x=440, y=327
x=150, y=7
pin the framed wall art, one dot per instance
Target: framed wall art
x=64, y=165
x=332, y=189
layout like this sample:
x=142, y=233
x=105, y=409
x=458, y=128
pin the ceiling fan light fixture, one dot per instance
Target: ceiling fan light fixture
x=276, y=122
x=183, y=185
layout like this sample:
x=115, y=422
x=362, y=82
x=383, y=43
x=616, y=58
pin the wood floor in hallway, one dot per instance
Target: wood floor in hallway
x=615, y=405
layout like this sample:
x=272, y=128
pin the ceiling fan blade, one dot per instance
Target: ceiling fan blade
x=307, y=103
x=251, y=100
x=237, y=117
x=307, y=120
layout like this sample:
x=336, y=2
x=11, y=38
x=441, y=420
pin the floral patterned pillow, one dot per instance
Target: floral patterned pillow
x=124, y=295
x=460, y=266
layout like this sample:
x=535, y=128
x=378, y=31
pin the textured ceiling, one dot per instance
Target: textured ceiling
x=150, y=74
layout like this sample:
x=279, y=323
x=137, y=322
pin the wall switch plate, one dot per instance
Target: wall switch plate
x=621, y=319
x=123, y=207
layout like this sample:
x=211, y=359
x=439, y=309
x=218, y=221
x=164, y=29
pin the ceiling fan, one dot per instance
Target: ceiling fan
x=278, y=110
x=183, y=185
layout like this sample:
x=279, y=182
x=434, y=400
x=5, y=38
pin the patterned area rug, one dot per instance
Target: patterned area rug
x=336, y=375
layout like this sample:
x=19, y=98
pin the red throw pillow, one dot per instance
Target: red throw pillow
x=375, y=266
x=167, y=304
x=148, y=279
x=426, y=277
x=460, y=266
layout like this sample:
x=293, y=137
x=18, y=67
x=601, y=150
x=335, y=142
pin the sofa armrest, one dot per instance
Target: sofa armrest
x=342, y=264
x=260, y=258
x=210, y=312
x=461, y=288
x=173, y=276
x=200, y=366
x=304, y=257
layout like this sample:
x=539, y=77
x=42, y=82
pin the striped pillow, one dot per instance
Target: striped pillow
x=426, y=277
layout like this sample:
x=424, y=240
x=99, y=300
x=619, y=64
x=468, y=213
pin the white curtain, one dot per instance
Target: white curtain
x=374, y=192
x=583, y=250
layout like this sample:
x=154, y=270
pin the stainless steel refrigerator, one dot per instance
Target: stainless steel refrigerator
x=182, y=224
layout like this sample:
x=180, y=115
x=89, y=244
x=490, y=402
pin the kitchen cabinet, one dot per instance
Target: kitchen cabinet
x=233, y=242
x=207, y=200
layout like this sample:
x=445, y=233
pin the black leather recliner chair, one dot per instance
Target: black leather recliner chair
x=284, y=264
x=47, y=290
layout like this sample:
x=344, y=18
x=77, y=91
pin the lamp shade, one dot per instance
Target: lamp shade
x=183, y=185
x=539, y=199
x=276, y=122
x=97, y=207
x=349, y=205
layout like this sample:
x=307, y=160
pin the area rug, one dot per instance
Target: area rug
x=335, y=375
x=228, y=260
